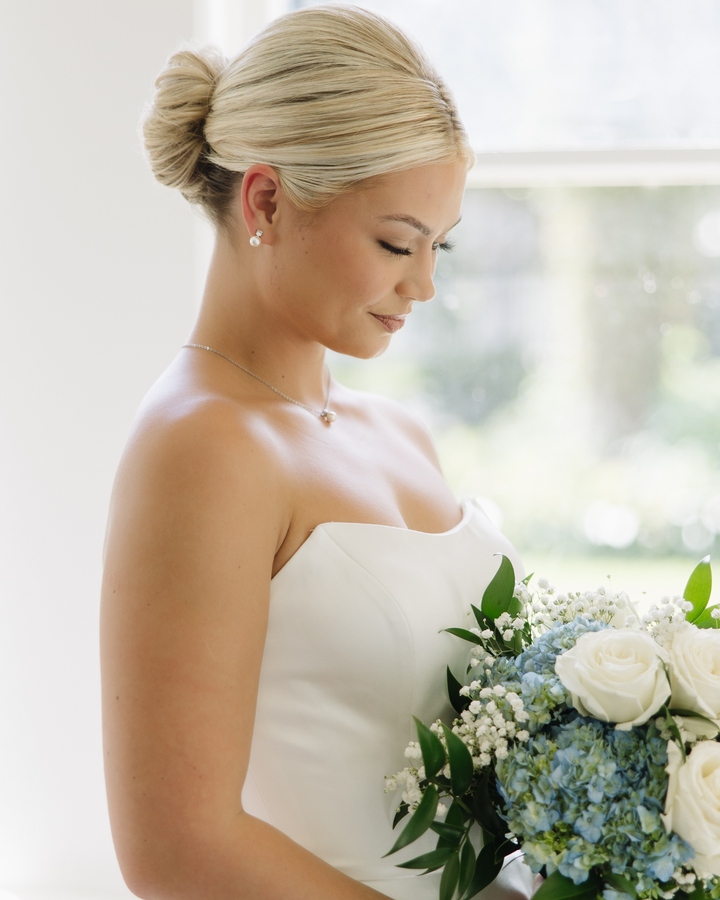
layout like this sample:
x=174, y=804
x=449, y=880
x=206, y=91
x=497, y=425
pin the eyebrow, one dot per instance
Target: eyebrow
x=414, y=223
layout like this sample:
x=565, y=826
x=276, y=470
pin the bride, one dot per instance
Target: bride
x=283, y=552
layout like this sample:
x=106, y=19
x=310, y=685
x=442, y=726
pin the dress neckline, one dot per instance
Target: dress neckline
x=465, y=505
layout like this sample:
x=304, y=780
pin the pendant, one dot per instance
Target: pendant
x=328, y=415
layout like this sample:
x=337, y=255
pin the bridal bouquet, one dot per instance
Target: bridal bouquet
x=587, y=739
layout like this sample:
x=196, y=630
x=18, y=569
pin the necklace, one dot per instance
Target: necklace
x=327, y=415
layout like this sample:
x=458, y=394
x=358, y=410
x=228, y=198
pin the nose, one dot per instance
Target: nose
x=417, y=282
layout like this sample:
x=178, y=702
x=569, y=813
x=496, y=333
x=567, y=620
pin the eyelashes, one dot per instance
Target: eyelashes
x=446, y=247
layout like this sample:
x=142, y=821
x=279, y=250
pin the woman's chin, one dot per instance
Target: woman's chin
x=361, y=350
x=365, y=352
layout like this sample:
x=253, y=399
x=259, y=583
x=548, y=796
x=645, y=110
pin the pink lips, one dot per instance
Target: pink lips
x=391, y=323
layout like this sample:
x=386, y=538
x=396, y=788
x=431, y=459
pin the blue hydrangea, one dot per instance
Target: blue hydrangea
x=543, y=695
x=504, y=671
x=582, y=794
x=540, y=656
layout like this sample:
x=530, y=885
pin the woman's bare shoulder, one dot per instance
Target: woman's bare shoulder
x=202, y=450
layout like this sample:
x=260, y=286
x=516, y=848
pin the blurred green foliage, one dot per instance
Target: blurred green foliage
x=569, y=367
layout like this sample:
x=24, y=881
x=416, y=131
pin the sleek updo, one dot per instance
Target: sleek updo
x=327, y=96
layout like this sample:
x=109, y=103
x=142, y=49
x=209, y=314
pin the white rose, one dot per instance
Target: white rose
x=695, y=675
x=615, y=676
x=692, y=807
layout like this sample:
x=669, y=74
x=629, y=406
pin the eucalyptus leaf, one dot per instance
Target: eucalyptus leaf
x=461, y=764
x=499, y=593
x=620, y=884
x=450, y=876
x=467, y=866
x=459, y=703
x=486, y=871
x=558, y=887
x=464, y=634
x=420, y=821
x=430, y=861
x=433, y=752
x=698, y=589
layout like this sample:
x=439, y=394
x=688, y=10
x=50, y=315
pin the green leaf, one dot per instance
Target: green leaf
x=705, y=619
x=484, y=807
x=698, y=892
x=515, y=606
x=459, y=703
x=451, y=834
x=516, y=643
x=486, y=871
x=450, y=876
x=464, y=634
x=499, y=593
x=698, y=589
x=671, y=726
x=506, y=848
x=433, y=752
x=400, y=813
x=456, y=817
x=430, y=861
x=482, y=620
x=526, y=579
x=558, y=887
x=620, y=884
x=461, y=764
x=420, y=820
x=467, y=867
x=690, y=714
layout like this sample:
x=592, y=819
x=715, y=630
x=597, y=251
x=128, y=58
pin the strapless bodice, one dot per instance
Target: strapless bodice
x=355, y=648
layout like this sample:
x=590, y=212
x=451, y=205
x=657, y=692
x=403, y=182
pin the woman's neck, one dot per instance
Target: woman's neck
x=237, y=319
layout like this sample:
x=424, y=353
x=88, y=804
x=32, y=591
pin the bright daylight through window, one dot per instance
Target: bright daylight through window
x=570, y=365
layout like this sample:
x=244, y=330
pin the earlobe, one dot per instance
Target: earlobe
x=259, y=198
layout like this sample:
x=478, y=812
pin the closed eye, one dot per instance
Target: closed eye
x=446, y=247
x=398, y=251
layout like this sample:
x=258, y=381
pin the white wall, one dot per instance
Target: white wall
x=97, y=292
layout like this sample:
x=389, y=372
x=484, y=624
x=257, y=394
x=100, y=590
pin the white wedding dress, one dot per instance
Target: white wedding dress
x=354, y=649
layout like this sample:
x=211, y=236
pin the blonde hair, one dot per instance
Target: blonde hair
x=327, y=96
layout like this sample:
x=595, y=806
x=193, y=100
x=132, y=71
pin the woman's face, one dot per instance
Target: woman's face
x=347, y=276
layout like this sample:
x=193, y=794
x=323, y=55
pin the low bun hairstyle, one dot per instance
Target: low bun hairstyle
x=327, y=96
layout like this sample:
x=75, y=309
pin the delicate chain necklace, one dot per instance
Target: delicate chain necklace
x=327, y=415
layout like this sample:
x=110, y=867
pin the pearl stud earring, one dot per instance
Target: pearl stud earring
x=255, y=239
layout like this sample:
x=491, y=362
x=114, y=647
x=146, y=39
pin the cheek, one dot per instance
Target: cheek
x=352, y=266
